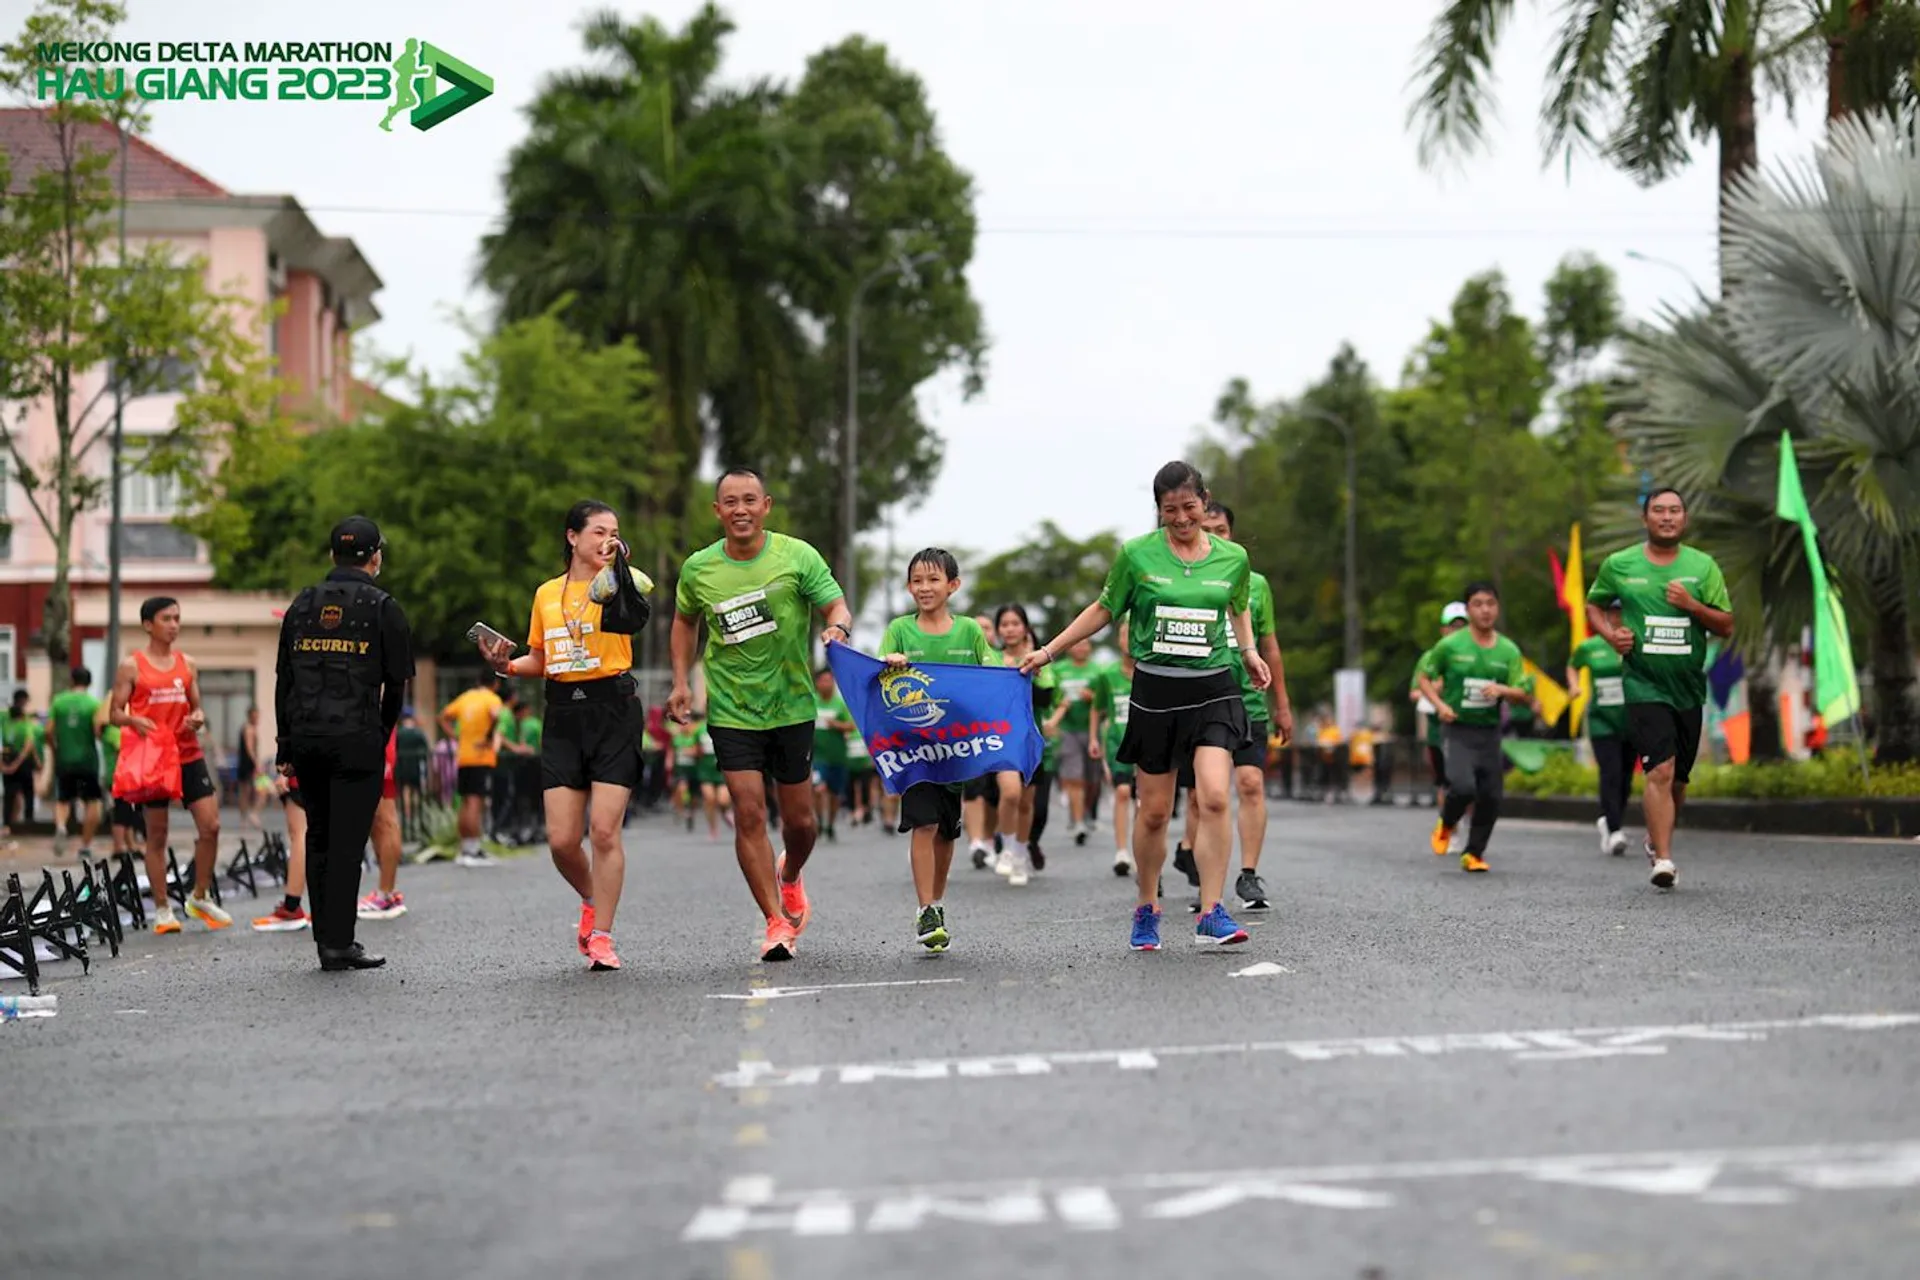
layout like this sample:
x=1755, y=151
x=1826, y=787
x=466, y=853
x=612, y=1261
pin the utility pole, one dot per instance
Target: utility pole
x=850, y=479
x=114, y=464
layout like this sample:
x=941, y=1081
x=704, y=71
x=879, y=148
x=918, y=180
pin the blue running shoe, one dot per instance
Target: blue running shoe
x=1146, y=929
x=1217, y=929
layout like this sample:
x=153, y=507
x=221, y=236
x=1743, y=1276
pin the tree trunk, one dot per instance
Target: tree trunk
x=1840, y=103
x=1739, y=145
x=1896, y=686
x=1763, y=712
x=57, y=622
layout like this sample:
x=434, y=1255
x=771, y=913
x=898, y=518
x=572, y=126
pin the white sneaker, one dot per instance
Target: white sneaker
x=1617, y=844
x=480, y=859
x=1022, y=868
x=1606, y=836
x=1458, y=845
x=1003, y=864
x=1664, y=874
x=1123, y=862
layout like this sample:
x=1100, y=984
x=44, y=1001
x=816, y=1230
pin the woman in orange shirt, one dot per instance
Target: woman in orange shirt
x=590, y=743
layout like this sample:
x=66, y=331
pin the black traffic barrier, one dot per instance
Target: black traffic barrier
x=51, y=918
x=16, y=936
x=124, y=888
x=95, y=907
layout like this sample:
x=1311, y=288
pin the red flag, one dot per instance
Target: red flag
x=1559, y=578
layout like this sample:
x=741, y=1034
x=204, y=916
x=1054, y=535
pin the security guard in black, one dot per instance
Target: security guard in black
x=346, y=655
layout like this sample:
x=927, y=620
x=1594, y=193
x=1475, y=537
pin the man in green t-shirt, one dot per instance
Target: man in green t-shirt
x=757, y=592
x=1672, y=598
x=1468, y=675
x=1607, y=729
x=1452, y=618
x=832, y=722
x=75, y=720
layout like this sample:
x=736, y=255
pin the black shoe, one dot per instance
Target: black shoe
x=980, y=859
x=334, y=959
x=1183, y=863
x=1251, y=890
x=999, y=845
x=1036, y=859
x=1080, y=835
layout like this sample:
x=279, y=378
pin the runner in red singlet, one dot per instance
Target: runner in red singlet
x=386, y=902
x=158, y=691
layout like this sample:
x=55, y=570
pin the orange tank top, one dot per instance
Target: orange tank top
x=161, y=696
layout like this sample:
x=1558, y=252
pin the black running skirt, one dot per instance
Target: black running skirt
x=1172, y=715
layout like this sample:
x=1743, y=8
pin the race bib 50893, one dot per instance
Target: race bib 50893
x=1184, y=633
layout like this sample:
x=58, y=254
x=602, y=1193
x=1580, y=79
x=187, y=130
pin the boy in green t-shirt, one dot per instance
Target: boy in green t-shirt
x=930, y=813
x=1607, y=730
x=75, y=720
x=832, y=722
x=1468, y=675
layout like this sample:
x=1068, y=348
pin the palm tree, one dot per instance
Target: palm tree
x=1816, y=339
x=655, y=207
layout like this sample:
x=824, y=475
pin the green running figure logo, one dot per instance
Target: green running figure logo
x=417, y=73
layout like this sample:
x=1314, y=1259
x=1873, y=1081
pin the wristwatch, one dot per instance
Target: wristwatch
x=844, y=633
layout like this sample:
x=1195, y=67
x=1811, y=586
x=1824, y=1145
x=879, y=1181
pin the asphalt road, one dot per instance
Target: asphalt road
x=1549, y=1070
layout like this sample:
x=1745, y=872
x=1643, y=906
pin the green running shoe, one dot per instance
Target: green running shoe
x=930, y=929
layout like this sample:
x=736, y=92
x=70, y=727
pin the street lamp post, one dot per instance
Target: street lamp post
x=1352, y=591
x=850, y=481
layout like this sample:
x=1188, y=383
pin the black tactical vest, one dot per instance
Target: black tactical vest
x=337, y=661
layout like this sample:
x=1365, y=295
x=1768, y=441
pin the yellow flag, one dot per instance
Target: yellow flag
x=1552, y=695
x=1573, y=598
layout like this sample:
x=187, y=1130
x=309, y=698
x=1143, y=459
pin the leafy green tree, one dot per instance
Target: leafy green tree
x=71, y=306
x=723, y=229
x=1052, y=573
x=475, y=478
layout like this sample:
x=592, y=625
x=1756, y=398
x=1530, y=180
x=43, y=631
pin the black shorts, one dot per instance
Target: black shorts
x=1172, y=716
x=473, y=780
x=126, y=815
x=931, y=804
x=1120, y=775
x=592, y=734
x=1660, y=733
x=196, y=784
x=292, y=797
x=81, y=785
x=784, y=754
x=1437, y=764
x=1251, y=756
x=985, y=787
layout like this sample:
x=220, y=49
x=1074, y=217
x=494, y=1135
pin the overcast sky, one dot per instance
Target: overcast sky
x=1168, y=198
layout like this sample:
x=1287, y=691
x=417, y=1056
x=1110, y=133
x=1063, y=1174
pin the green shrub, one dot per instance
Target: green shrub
x=1835, y=775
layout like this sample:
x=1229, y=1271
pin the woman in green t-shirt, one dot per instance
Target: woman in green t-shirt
x=1181, y=592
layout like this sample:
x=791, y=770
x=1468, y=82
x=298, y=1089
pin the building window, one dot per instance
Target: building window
x=143, y=495
x=157, y=541
x=8, y=678
x=171, y=374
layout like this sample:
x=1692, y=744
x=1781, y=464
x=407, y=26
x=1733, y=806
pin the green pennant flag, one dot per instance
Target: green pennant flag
x=1836, y=690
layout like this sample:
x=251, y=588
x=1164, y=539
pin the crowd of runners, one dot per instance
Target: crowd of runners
x=1188, y=710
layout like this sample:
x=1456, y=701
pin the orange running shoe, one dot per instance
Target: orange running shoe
x=1469, y=862
x=782, y=940
x=600, y=955
x=586, y=925
x=1441, y=840
x=793, y=899
x=207, y=912
x=166, y=922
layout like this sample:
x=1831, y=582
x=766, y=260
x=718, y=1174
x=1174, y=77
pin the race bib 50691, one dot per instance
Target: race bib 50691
x=743, y=618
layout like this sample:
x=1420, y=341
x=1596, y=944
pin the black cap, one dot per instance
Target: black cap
x=356, y=538
x=1616, y=603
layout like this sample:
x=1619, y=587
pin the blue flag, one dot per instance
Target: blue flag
x=936, y=722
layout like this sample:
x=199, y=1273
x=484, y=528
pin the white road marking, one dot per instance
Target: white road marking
x=1521, y=1046
x=1765, y=1176
x=782, y=993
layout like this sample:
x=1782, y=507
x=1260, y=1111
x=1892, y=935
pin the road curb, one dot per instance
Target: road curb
x=1876, y=816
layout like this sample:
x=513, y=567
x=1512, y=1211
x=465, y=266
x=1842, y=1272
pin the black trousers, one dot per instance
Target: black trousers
x=1042, y=803
x=1614, y=755
x=341, y=780
x=1477, y=776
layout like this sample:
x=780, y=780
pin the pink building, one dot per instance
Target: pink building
x=260, y=249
